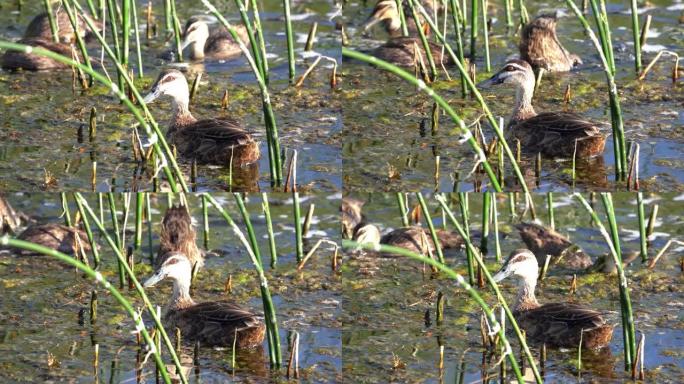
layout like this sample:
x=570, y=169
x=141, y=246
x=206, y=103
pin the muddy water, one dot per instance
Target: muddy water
x=41, y=300
x=45, y=125
x=390, y=331
x=391, y=145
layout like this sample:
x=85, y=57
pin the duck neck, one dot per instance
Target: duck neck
x=197, y=50
x=523, y=102
x=181, y=112
x=181, y=295
x=526, y=299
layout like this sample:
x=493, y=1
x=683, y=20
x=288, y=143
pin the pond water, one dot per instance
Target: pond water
x=390, y=332
x=390, y=146
x=43, y=121
x=41, y=299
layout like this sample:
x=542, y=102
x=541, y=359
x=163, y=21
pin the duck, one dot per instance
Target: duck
x=59, y=237
x=351, y=216
x=217, y=44
x=401, y=51
x=559, y=325
x=178, y=236
x=208, y=141
x=540, y=47
x=553, y=134
x=544, y=241
x=367, y=233
x=387, y=13
x=411, y=238
x=212, y=323
x=39, y=34
x=10, y=220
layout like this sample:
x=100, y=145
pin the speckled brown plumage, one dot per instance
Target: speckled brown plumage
x=411, y=238
x=539, y=46
x=10, y=219
x=39, y=27
x=15, y=60
x=56, y=236
x=220, y=44
x=544, y=241
x=178, y=235
x=401, y=51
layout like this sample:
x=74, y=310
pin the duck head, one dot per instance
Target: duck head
x=521, y=263
x=176, y=267
x=171, y=82
x=516, y=72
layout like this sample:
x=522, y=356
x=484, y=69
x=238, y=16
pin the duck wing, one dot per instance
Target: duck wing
x=220, y=131
x=222, y=312
x=559, y=324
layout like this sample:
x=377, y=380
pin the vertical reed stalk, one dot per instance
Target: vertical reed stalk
x=65, y=209
x=205, y=221
x=250, y=229
x=269, y=309
x=643, y=239
x=473, y=28
x=269, y=228
x=402, y=18
x=290, y=41
x=431, y=226
x=137, y=40
x=51, y=19
x=549, y=206
x=403, y=209
x=119, y=246
x=509, y=18
x=297, y=224
x=495, y=216
x=168, y=20
x=125, y=32
x=111, y=8
x=260, y=38
x=612, y=240
x=79, y=39
x=486, y=218
x=635, y=35
x=463, y=204
x=89, y=232
x=459, y=44
x=175, y=23
x=96, y=276
x=485, y=36
x=139, y=201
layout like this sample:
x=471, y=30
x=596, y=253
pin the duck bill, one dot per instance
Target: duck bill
x=153, y=95
x=154, y=279
x=501, y=275
x=494, y=80
x=186, y=42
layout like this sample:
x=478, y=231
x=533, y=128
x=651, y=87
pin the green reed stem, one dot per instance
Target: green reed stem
x=175, y=23
x=248, y=224
x=168, y=20
x=473, y=28
x=125, y=32
x=604, y=49
x=269, y=228
x=117, y=234
x=111, y=8
x=92, y=9
x=65, y=209
x=348, y=244
x=254, y=45
x=461, y=127
x=509, y=315
x=139, y=204
x=495, y=216
x=402, y=18
x=463, y=205
x=275, y=355
x=269, y=117
x=431, y=226
x=96, y=276
x=298, y=226
x=459, y=45
x=139, y=289
x=290, y=41
x=403, y=211
x=486, y=217
x=148, y=209
x=205, y=221
x=509, y=17
x=643, y=239
x=91, y=238
x=549, y=207
x=79, y=40
x=262, y=41
x=629, y=338
x=485, y=36
x=137, y=40
x=490, y=117
x=524, y=16
x=51, y=19
x=637, y=36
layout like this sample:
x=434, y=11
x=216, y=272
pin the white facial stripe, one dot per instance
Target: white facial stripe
x=516, y=66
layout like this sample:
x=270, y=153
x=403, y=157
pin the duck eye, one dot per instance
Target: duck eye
x=166, y=79
x=509, y=68
x=172, y=261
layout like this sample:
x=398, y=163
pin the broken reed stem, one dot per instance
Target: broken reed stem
x=660, y=253
x=269, y=228
x=298, y=226
x=311, y=37
x=643, y=239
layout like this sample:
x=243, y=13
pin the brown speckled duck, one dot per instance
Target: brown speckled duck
x=401, y=51
x=544, y=241
x=212, y=44
x=214, y=323
x=39, y=34
x=556, y=324
x=178, y=236
x=56, y=236
x=411, y=238
x=209, y=141
x=540, y=47
x=552, y=134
